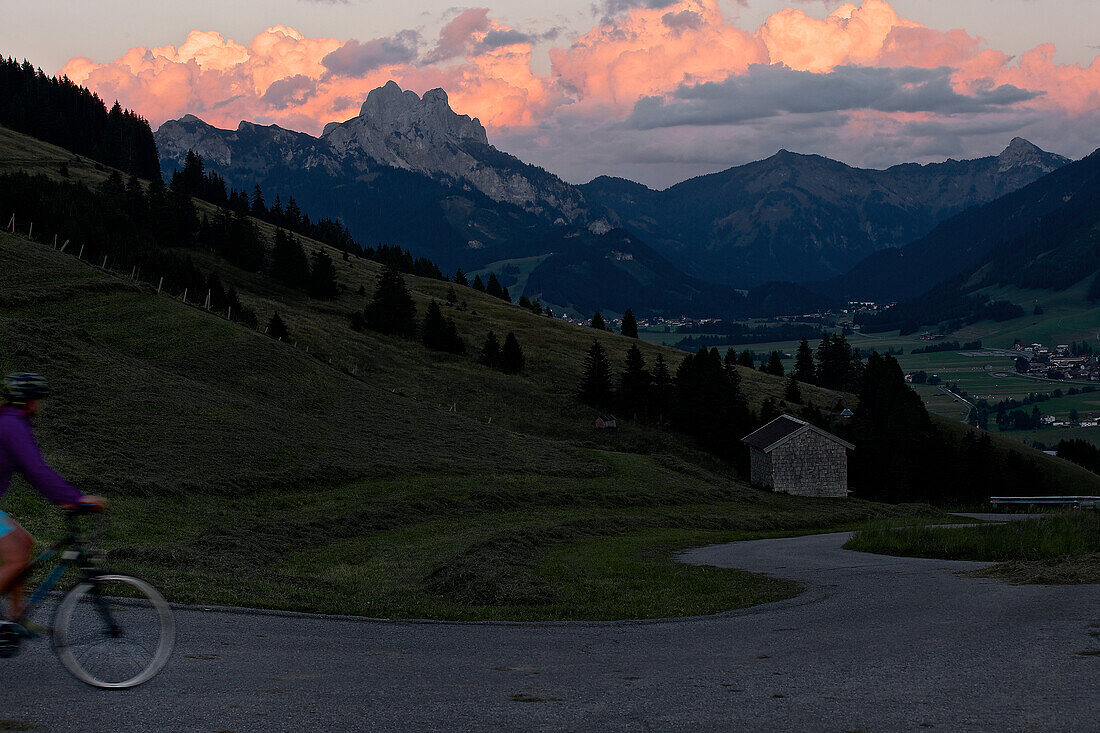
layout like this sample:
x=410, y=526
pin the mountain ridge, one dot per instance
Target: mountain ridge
x=794, y=216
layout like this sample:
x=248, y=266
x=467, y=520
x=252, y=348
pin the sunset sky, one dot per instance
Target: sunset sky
x=654, y=90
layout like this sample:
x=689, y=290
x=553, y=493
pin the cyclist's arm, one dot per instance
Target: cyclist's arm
x=24, y=450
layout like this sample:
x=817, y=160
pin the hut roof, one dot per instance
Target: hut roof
x=782, y=429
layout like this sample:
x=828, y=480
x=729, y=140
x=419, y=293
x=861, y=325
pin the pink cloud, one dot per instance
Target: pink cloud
x=642, y=53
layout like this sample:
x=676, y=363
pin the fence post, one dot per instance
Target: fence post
x=229, y=313
x=30, y=232
x=11, y=224
x=65, y=245
x=133, y=272
x=80, y=254
x=104, y=262
x=207, y=305
x=185, y=295
x=159, y=285
x=55, y=241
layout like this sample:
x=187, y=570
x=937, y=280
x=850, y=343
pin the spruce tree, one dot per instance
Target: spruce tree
x=630, y=324
x=276, y=329
x=634, y=383
x=460, y=278
x=452, y=296
x=595, y=387
x=493, y=286
x=288, y=261
x=439, y=333
x=730, y=361
x=504, y=295
x=792, y=393
x=745, y=359
x=774, y=365
x=391, y=310
x=804, y=363
x=322, y=278
x=490, y=351
x=660, y=391
x=478, y=285
x=258, y=207
x=598, y=322
x=512, y=359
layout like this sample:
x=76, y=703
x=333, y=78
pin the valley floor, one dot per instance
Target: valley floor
x=877, y=643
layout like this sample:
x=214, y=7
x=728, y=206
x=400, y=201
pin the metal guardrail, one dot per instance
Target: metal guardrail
x=1075, y=501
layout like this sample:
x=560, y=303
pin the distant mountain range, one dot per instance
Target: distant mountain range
x=805, y=217
x=1044, y=236
x=410, y=171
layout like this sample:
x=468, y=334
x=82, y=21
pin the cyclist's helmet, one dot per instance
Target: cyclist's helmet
x=22, y=387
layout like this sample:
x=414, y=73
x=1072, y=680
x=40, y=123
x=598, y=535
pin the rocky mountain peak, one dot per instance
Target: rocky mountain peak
x=1022, y=153
x=390, y=110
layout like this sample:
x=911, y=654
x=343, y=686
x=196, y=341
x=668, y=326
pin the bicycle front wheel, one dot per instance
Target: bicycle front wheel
x=113, y=631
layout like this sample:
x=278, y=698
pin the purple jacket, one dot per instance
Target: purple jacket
x=19, y=452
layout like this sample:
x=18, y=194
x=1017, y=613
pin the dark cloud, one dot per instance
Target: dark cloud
x=497, y=38
x=292, y=90
x=454, y=38
x=683, y=20
x=355, y=58
x=770, y=91
x=615, y=7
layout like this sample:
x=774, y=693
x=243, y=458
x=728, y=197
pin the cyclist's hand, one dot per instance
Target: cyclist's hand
x=94, y=503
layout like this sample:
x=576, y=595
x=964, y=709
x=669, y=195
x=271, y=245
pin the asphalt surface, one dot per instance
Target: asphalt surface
x=875, y=643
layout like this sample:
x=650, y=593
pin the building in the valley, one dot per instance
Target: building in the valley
x=795, y=457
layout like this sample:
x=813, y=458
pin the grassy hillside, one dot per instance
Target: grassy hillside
x=330, y=473
x=243, y=470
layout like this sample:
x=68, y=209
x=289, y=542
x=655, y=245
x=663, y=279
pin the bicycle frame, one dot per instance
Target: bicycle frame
x=71, y=550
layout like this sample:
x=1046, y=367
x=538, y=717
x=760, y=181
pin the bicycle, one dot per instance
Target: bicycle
x=111, y=631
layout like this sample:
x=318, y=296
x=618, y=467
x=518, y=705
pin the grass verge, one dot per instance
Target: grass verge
x=1061, y=549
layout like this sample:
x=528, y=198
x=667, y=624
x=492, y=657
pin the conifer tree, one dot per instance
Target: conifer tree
x=524, y=302
x=276, y=329
x=439, y=333
x=391, y=310
x=774, y=366
x=478, y=285
x=804, y=363
x=322, y=278
x=745, y=359
x=493, y=286
x=504, y=294
x=512, y=359
x=490, y=351
x=660, y=390
x=460, y=278
x=634, y=383
x=452, y=296
x=792, y=393
x=730, y=362
x=630, y=324
x=258, y=207
x=598, y=322
x=595, y=387
x=288, y=260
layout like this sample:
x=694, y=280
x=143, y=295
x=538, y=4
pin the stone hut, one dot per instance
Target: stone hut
x=795, y=457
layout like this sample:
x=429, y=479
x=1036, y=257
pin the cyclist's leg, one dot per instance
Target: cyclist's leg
x=15, y=554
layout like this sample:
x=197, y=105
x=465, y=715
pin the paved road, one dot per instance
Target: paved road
x=875, y=643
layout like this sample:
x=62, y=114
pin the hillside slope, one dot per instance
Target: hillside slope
x=961, y=243
x=803, y=217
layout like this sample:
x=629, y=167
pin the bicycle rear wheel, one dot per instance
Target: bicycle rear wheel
x=113, y=631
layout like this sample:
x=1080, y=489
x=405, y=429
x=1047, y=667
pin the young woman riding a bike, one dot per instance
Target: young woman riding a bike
x=20, y=401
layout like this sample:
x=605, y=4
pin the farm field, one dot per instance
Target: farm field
x=987, y=374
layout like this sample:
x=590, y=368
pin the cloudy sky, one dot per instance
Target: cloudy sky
x=654, y=90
